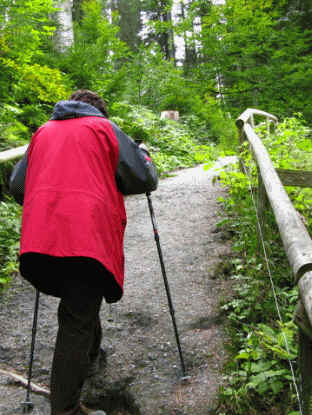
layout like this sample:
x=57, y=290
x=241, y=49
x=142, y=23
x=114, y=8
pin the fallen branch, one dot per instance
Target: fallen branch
x=23, y=381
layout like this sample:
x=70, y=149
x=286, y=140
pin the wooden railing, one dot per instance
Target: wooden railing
x=295, y=237
x=13, y=153
x=6, y=156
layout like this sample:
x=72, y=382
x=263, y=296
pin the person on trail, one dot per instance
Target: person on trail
x=78, y=166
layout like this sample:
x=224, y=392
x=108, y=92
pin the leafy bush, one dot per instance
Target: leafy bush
x=172, y=144
x=12, y=132
x=219, y=125
x=95, y=59
x=39, y=83
x=257, y=371
x=28, y=87
x=9, y=239
x=290, y=147
x=157, y=83
x=258, y=374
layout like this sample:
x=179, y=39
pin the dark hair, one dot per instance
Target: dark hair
x=91, y=98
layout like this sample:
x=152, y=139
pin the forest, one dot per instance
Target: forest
x=209, y=60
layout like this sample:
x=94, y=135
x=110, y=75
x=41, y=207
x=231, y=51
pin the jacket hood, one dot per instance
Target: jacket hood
x=65, y=110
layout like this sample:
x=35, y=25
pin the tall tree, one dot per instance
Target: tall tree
x=189, y=25
x=129, y=21
x=91, y=61
x=262, y=54
x=64, y=35
x=77, y=10
x=159, y=16
x=190, y=55
x=27, y=82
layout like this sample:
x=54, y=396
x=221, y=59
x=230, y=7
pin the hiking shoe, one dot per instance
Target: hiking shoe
x=97, y=362
x=83, y=410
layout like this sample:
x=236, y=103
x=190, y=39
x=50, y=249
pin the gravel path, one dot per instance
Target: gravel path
x=142, y=374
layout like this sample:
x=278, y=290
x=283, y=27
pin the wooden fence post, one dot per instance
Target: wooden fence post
x=305, y=365
x=241, y=139
x=304, y=358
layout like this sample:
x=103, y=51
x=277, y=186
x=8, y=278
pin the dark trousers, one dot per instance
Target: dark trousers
x=77, y=344
x=81, y=283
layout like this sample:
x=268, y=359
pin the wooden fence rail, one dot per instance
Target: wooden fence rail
x=13, y=153
x=295, y=237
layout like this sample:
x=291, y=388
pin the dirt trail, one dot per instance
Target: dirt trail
x=142, y=372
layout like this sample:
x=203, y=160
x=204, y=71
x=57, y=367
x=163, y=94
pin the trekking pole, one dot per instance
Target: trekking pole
x=150, y=205
x=28, y=405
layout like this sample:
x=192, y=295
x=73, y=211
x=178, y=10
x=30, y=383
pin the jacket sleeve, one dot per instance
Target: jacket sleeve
x=136, y=173
x=17, y=179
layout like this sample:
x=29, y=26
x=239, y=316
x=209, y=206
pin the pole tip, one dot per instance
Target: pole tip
x=185, y=378
x=27, y=407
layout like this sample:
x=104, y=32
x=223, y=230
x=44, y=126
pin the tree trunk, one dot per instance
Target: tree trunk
x=189, y=52
x=64, y=36
x=166, y=38
x=160, y=12
x=77, y=10
x=129, y=22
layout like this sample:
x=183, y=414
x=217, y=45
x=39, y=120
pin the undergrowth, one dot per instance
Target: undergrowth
x=173, y=145
x=258, y=375
x=9, y=239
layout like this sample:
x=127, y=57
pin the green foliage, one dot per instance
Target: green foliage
x=258, y=375
x=35, y=90
x=95, y=59
x=9, y=239
x=261, y=54
x=12, y=132
x=219, y=125
x=259, y=364
x=27, y=86
x=25, y=26
x=158, y=83
x=290, y=147
x=39, y=82
x=172, y=145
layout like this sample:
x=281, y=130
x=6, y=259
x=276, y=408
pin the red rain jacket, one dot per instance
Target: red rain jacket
x=76, y=171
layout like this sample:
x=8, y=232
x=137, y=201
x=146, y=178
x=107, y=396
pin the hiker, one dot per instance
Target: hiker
x=78, y=166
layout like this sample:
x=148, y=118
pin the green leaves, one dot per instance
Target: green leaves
x=172, y=144
x=262, y=370
x=27, y=83
x=27, y=25
x=95, y=60
x=290, y=147
x=9, y=240
x=258, y=370
x=262, y=56
x=12, y=132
